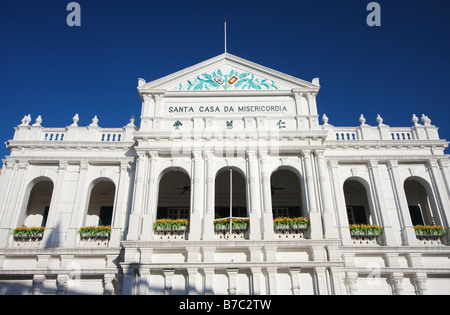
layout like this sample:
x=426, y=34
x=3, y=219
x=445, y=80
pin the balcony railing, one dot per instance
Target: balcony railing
x=231, y=228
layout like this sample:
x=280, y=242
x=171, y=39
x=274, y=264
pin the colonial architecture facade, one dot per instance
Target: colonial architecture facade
x=232, y=184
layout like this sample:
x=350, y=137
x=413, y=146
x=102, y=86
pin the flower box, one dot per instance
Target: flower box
x=429, y=231
x=95, y=232
x=238, y=225
x=171, y=225
x=28, y=233
x=290, y=225
x=364, y=230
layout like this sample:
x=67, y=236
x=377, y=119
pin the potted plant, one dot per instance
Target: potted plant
x=429, y=231
x=95, y=232
x=223, y=225
x=290, y=224
x=239, y=224
x=168, y=225
x=365, y=230
x=25, y=233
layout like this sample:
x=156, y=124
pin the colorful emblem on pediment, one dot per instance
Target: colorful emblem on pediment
x=233, y=79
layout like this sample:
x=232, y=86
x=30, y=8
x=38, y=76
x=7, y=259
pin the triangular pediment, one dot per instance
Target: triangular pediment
x=227, y=72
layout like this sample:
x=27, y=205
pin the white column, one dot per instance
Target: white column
x=321, y=280
x=129, y=277
x=272, y=280
x=326, y=198
x=315, y=220
x=397, y=283
x=341, y=207
x=232, y=280
x=313, y=116
x=443, y=202
x=52, y=234
x=444, y=165
x=197, y=194
x=62, y=284
x=295, y=280
x=10, y=201
x=149, y=216
x=408, y=233
x=255, y=197
x=134, y=224
x=420, y=280
x=144, y=278
x=192, y=277
x=352, y=283
x=14, y=213
x=5, y=187
x=108, y=284
x=168, y=279
x=267, y=216
x=38, y=284
x=120, y=206
x=209, y=277
x=208, y=218
x=77, y=206
x=380, y=205
x=256, y=280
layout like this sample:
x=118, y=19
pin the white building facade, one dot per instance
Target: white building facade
x=226, y=140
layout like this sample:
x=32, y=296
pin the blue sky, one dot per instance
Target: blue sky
x=48, y=68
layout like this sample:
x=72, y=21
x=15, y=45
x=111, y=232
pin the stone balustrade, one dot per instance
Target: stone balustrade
x=382, y=131
x=36, y=132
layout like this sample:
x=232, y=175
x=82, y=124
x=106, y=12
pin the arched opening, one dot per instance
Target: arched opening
x=101, y=204
x=39, y=204
x=419, y=205
x=286, y=194
x=357, y=203
x=174, y=198
x=234, y=194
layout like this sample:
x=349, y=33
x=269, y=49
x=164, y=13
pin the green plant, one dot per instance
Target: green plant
x=95, y=231
x=170, y=224
x=28, y=232
x=290, y=221
x=237, y=224
x=429, y=230
x=365, y=230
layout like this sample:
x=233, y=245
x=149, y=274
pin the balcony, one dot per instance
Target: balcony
x=238, y=230
x=290, y=228
x=171, y=229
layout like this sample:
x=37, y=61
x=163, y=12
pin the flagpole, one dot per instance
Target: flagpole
x=231, y=199
x=225, y=35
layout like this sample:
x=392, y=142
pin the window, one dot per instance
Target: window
x=238, y=196
x=44, y=217
x=174, y=196
x=178, y=213
x=356, y=215
x=286, y=194
x=105, y=217
x=416, y=215
x=280, y=212
x=357, y=203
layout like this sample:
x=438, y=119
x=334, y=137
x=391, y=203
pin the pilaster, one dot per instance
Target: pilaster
x=267, y=215
x=326, y=198
x=152, y=200
x=380, y=206
x=314, y=216
x=408, y=234
x=255, y=204
x=134, y=225
x=208, y=218
x=197, y=194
